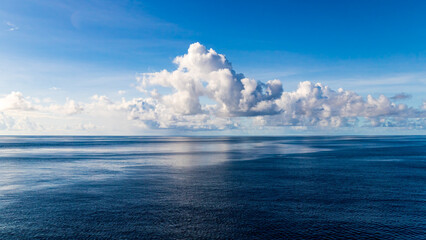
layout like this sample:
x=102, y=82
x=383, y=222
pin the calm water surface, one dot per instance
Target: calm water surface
x=213, y=187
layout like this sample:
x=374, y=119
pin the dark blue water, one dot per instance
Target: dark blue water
x=213, y=188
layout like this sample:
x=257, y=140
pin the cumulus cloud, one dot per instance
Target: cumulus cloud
x=203, y=72
x=204, y=92
x=15, y=101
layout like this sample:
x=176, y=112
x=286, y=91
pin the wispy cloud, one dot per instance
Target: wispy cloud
x=11, y=26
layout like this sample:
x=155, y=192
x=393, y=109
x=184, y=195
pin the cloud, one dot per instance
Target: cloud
x=204, y=92
x=15, y=101
x=11, y=26
x=205, y=73
x=54, y=88
x=10, y=123
x=401, y=96
x=318, y=105
x=70, y=107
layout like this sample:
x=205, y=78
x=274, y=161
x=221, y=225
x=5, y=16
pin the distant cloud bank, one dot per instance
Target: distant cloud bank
x=204, y=92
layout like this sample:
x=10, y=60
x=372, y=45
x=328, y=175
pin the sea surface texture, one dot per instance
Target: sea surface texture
x=213, y=187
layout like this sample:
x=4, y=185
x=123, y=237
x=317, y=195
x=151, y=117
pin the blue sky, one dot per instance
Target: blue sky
x=75, y=49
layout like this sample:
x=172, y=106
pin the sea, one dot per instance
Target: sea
x=290, y=187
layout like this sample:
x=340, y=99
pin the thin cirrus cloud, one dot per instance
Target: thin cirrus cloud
x=234, y=102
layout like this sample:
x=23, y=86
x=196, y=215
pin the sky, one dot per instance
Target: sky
x=212, y=67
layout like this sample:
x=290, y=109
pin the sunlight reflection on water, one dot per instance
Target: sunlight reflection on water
x=50, y=162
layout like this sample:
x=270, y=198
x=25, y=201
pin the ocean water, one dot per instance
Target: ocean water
x=213, y=187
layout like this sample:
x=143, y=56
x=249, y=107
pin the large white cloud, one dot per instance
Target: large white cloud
x=177, y=100
x=203, y=72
